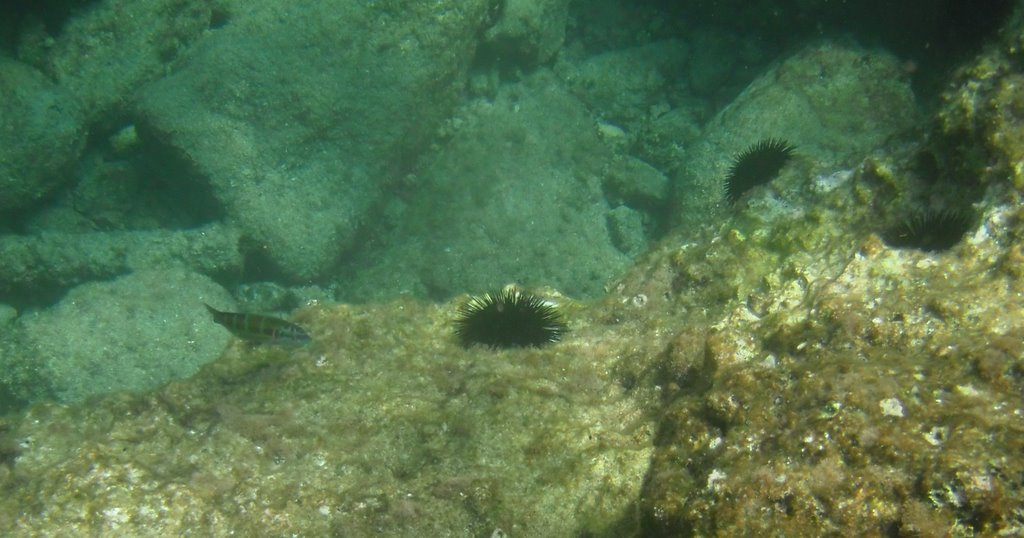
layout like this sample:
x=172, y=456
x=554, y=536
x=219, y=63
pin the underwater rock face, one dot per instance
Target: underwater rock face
x=130, y=334
x=111, y=48
x=48, y=261
x=833, y=103
x=41, y=135
x=514, y=196
x=623, y=85
x=528, y=32
x=297, y=115
x=887, y=380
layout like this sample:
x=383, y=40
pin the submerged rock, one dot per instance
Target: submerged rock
x=514, y=195
x=299, y=115
x=834, y=103
x=527, y=33
x=41, y=135
x=134, y=333
x=42, y=264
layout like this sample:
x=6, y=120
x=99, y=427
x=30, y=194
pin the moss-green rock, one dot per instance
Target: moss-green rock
x=41, y=135
x=532, y=212
x=298, y=116
x=134, y=333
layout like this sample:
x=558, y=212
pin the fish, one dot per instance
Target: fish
x=260, y=329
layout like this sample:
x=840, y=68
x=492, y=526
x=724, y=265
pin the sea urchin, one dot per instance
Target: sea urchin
x=930, y=231
x=509, y=318
x=757, y=165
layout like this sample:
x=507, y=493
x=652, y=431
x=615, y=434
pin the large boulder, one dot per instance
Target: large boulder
x=130, y=334
x=834, y=103
x=41, y=135
x=528, y=32
x=109, y=49
x=298, y=114
x=515, y=195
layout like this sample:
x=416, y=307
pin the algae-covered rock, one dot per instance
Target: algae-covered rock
x=299, y=114
x=831, y=383
x=834, y=103
x=885, y=382
x=385, y=426
x=130, y=334
x=41, y=135
x=981, y=120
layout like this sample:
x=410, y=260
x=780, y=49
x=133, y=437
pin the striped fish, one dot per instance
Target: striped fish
x=260, y=329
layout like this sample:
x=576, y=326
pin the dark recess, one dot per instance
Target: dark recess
x=933, y=36
x=15, y=17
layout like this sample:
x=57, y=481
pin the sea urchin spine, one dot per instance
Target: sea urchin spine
x=757, y=165
x=930, y=230
x=509, y=318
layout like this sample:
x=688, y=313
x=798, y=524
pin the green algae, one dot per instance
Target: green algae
x=384, y=426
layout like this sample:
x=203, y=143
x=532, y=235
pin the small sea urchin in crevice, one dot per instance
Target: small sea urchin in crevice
x=757, y=165
x=509, y=318
x=930, y=231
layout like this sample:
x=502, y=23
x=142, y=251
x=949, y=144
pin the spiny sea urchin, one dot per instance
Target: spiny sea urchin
x=757, y=165
x=509, y=318
x=931, y=230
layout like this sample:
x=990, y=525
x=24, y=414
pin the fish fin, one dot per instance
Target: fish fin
x=212, y=310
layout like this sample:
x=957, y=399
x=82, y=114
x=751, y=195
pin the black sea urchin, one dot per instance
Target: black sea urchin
x=757, y=165
x=508, y=318
x=931, y=231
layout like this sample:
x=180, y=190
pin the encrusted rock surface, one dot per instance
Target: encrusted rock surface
x=384, y=426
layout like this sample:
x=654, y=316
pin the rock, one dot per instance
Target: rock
x=515, y=195
x=623, y=85
x=103, y=55
x=41, y=135
x=42, y=263
x=834, y=103
x=626, y=228
x=462, y=435
x=7, y=314
x=636, y=183
x=528, y=33
x=130, y=334
x=716, y=56
x=298, y=115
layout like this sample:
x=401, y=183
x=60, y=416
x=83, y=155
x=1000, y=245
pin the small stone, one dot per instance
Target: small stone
x=626, y=230
x=715, y=476
x=125, y=140
x=891, y=407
